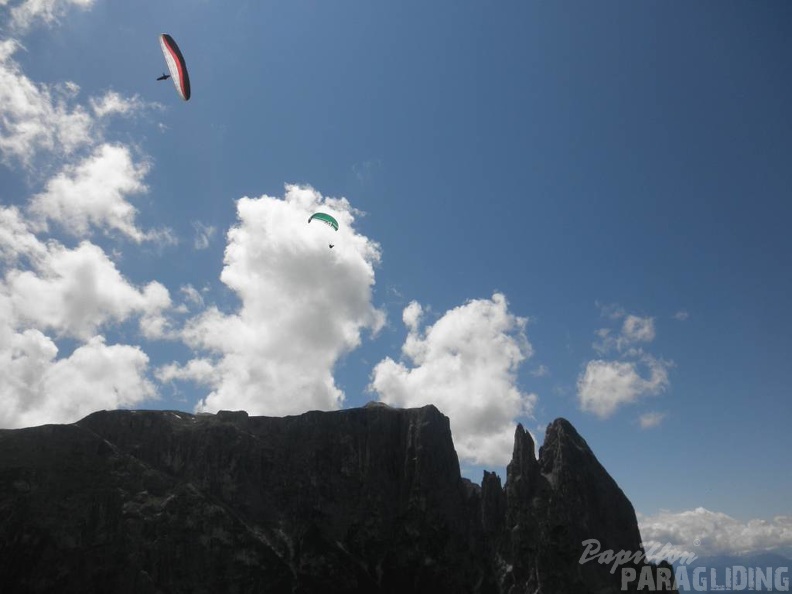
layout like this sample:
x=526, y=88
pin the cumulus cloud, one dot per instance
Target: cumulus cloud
x=604, y=386
x=303, y=306
x=465, y=364
x=28, y=12
x=634, y=330
x=73, y=293
x=93, y=194
x=651, y=419
x=35, y=388
x=630, y=374
x=713, y=533
x=196, y=370
x=16, y=239
x=38, y=118
x=681, y=316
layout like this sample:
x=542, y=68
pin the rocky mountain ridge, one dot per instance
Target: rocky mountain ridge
x=360, y=500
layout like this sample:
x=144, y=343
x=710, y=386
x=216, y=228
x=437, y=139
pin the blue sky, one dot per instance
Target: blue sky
x=548, y=209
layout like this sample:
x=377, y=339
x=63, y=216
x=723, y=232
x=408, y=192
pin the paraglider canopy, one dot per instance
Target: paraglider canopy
x=176, y=65
x=325, y=218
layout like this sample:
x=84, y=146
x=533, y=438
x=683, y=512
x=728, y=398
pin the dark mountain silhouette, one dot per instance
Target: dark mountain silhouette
x=362, y=500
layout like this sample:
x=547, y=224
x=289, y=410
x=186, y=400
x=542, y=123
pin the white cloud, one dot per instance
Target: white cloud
x=651, y=419
x=39, y=118
x=604, y=386
x=154, y=301
x=466, y=365
x=16, y=239
x=411, y=316
x=74, y=292
x=36, y=389
x=36, y=117
x=93, y=194
x=192, y=296
x=113, y=103
x=203, y=235
x=303, y=306
x=637, y=329
x=716, y=533
x=681, y=316
x=200, y=371
x=25, y=14
x=634, y=330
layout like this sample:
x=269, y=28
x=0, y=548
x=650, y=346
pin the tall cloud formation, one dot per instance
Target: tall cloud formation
x=465, y=364
x=302, y=307
x=708, y=533
x=606, y=385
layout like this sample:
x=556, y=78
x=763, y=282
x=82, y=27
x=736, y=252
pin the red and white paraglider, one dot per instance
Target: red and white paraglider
x=176, y=66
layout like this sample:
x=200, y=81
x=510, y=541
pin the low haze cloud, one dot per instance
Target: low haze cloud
x=708, y=533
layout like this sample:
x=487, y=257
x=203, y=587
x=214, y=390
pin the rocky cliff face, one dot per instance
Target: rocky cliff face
x=361, y=500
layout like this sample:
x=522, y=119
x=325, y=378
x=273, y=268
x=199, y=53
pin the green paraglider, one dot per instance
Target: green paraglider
x=325, y=218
